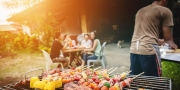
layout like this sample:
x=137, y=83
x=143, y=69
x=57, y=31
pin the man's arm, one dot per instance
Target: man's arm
x=168, y=37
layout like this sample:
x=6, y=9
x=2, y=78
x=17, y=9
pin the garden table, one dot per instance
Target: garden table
x=77, y=58
x=172, y=56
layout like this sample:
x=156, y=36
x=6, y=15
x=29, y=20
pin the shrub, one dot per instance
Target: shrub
x=171, y=70
x=33, y=43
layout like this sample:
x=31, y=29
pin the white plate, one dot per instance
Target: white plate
x=167, y=50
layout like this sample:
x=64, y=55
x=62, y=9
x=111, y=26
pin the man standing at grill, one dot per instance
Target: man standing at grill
x=144, y=50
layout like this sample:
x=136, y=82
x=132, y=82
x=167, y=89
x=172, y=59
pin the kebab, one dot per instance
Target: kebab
x=79, y=75
x=128, y=81
x=114, y=80
x=100, y=76
x=96, y=78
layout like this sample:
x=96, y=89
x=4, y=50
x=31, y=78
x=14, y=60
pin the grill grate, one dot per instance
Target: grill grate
x=11, y=87
x=150, y=83
x=145, y=82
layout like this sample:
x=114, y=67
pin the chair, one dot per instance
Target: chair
x=101, y=57
x=49, y=61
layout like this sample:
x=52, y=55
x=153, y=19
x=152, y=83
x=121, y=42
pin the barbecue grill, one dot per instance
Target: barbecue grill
x=150, y=83
x=145, y=82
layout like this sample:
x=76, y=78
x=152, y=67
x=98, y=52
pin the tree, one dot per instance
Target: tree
x=42, y=24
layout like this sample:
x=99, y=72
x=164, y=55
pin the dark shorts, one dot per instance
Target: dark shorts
x=144, y=63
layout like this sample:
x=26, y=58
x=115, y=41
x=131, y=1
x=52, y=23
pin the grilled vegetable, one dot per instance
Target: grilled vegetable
x=33, y=80
x=49, y=86
x=112, y=88
x=104, y=88
x=39, y=84
x=107, y=84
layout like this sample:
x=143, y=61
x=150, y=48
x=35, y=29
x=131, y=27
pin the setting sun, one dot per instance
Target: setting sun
x=5, y=13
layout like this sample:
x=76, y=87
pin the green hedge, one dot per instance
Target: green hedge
x=172, y=70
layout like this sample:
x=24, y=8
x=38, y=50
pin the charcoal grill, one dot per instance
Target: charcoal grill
x=150, y=83
x=144, y=82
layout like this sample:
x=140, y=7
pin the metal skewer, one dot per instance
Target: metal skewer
x=138, y=75
x=87, y=67
x=112, y=70
x=83, y=66
x=97, y=68
x=129, y=71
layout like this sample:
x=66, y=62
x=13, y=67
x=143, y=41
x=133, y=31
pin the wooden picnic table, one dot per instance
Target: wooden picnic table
x=73, y=50
x=77, y=60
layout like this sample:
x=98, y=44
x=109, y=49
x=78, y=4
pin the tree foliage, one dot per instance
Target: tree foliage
x=42, y=25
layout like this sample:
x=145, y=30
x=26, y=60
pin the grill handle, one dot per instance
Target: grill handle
x=32, y=71
x=170, y=86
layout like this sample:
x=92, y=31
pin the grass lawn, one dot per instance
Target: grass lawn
x=13, y=70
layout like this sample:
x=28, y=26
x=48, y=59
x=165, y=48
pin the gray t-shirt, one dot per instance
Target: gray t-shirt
x=148, y=23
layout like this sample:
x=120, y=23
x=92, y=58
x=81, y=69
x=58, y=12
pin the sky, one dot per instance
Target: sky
x=5, y=13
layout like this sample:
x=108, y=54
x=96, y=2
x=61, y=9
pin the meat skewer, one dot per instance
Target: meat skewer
x=113, y=81
x=128, y=81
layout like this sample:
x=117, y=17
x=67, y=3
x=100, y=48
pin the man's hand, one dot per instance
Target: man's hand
x=161, y=41
x=172, y=45
x=168, y=38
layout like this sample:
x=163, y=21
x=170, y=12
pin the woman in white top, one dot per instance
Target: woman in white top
x=86, y=42
x=95, y=48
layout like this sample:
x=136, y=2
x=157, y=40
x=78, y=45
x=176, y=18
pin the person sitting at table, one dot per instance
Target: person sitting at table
x=55, y=50
x=95, y=49
x=66, y=40
x=68, y=43
x=87, y=43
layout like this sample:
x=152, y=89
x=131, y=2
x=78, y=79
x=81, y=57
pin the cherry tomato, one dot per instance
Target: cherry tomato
x=93, y=78
x=112, y=88
x=69, y=80
x=90, y=86
x=76, y=78
x=86, y=83
x=64, y=81
x=97, y=81
x=104, y=88
x=107, y=79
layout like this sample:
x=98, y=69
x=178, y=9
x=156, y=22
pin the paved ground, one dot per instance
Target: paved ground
x=117, y=57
